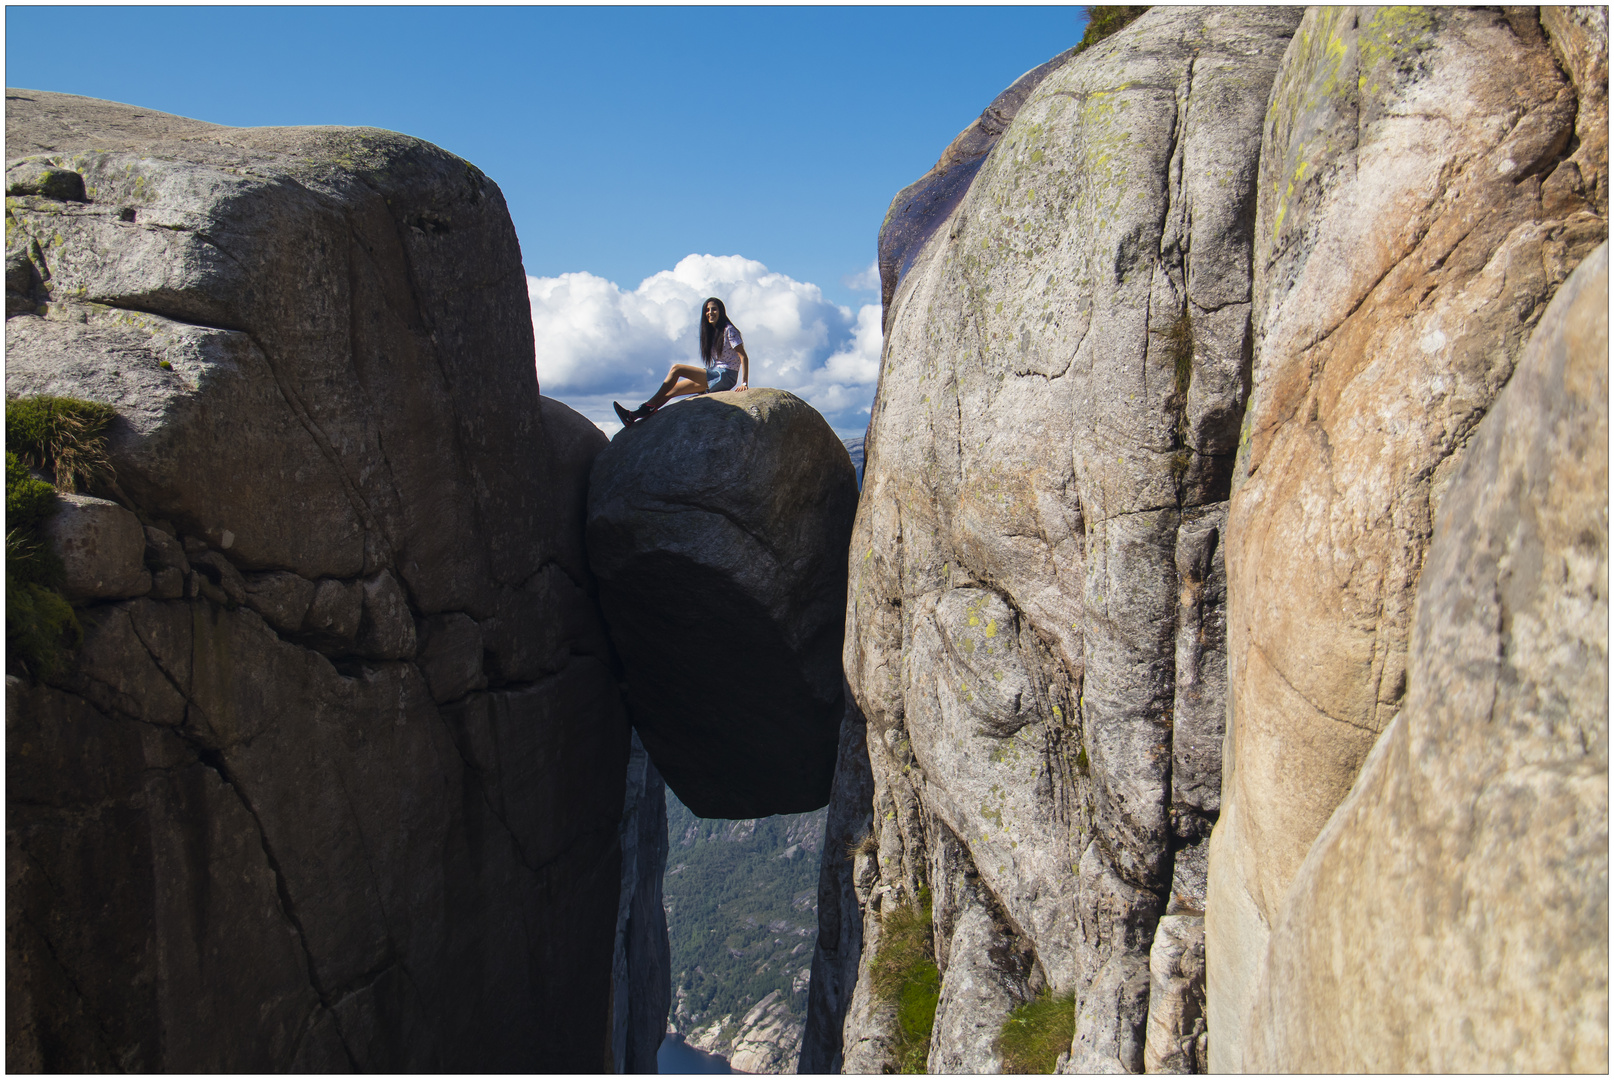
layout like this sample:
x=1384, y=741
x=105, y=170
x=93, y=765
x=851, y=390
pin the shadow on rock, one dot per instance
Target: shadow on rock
x=718, y=530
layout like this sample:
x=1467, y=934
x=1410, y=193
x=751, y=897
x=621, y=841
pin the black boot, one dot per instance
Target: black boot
x=630, y=418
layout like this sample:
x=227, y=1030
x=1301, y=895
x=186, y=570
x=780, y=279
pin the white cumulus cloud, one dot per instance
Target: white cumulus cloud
x=866, y=279
x=597, y=341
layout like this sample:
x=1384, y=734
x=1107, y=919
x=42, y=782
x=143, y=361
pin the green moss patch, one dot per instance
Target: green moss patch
x=1105, y=19
x=905, y=975
x=40, y=624
x=1036, y=1033
x=28, y=500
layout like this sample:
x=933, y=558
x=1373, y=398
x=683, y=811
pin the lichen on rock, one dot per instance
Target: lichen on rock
x=1035, y=594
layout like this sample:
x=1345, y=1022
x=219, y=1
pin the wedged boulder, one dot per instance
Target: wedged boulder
x=718, y=532
x=1422, y=196
x=1453, y=915
x=252, y=827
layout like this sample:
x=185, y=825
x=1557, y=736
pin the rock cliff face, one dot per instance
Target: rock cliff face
x=766, y=1040
x=1466, y=875
x=641, y=968
x=1035, y=606
x=717, y=529
x=838, y=952
x=1174, y=397
x=1423, y=193
x=336, y=779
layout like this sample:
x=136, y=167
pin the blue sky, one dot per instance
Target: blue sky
x=625, y=140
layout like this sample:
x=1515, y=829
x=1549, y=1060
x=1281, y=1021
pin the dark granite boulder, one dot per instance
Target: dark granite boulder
x=718, y=531
x=336, y=780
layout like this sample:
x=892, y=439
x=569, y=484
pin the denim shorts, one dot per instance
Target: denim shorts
x=719, y=379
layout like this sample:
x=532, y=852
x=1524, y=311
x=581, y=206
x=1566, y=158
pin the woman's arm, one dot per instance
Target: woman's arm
x=745, y=368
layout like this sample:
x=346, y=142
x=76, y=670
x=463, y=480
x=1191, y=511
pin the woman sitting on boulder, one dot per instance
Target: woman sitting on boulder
x=727, y=366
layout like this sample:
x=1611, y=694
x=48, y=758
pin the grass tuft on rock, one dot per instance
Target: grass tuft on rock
x=40, y=625
x=869, y=845
x=62, y=436
x=1180, y=346
x=1037, y=1032
x=1104, y=20
x=41, y=628
x=905, y=975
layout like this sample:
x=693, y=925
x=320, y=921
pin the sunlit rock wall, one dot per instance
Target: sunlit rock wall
x=1035, y=608
x=1423, y=194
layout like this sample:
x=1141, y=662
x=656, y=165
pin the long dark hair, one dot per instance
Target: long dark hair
x=712, y=333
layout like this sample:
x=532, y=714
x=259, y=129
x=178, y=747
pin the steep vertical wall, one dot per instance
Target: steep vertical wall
x=1429, y=178
x=641, y=968
x=336, y=779
x=1035, y=607
x=1453, y=915
x=1078, y=550
x=838, y=951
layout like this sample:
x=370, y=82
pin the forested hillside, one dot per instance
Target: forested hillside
x=742, y=918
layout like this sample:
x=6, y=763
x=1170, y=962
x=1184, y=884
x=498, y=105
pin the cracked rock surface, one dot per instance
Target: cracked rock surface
x=1034, y=625
x=341, y=788
x=717, y=529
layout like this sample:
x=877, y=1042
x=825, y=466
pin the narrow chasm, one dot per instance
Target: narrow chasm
x=741, y=898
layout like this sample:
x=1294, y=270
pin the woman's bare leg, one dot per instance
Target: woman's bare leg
x=681, y=379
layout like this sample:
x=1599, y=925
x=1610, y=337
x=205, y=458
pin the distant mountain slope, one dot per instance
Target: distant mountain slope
x=742, y=918
x=855, y=448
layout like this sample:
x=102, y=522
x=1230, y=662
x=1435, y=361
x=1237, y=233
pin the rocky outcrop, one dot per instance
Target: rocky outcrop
x=1453, y=915
x=641, y=969
x=1422, y=197
x=337, y=783
x=1034, y=625
x=717, y=530
x=769, y=1038
x=1176, y=1038
x=1043, y=631
x=102, y=547
x=926, y=203
x=766, y=1040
